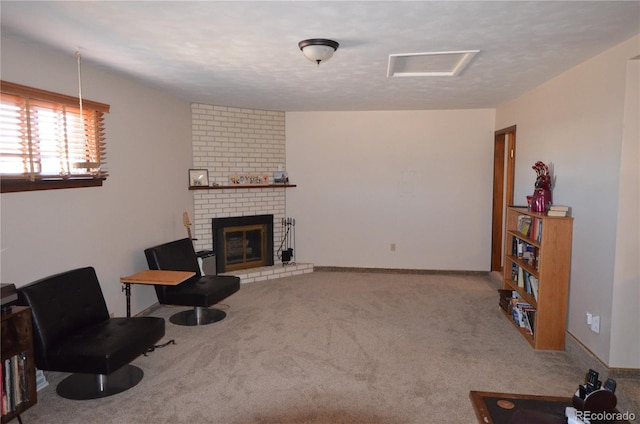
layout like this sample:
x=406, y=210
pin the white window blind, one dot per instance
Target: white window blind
x=43, y=138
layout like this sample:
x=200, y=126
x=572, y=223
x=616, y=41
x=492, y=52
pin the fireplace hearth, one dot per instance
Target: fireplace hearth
x=242, y=242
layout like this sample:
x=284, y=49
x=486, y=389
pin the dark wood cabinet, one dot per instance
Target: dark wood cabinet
x=18, y=367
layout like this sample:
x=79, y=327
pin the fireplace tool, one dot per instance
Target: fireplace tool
x=285, y=252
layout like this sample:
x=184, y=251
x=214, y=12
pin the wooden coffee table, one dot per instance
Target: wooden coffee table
x=507, y=408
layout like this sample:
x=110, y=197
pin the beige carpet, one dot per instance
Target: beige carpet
x=331, y=347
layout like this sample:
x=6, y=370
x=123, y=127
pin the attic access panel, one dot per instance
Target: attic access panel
x=429, y=64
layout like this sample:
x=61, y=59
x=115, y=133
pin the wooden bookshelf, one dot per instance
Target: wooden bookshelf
x=551, y=243
x=17, y=340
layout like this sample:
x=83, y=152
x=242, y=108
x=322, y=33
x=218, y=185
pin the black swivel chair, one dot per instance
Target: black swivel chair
x=72, y=332
x=199, y=291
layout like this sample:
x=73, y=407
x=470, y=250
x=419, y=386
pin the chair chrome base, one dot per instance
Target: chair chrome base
x=198, y=316
x=95, y=386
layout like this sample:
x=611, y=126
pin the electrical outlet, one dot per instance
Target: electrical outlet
x=393, y=247
x=595, y=324
x=589, y=318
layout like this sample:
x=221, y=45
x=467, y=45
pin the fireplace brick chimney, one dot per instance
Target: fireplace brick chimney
x=228, y=141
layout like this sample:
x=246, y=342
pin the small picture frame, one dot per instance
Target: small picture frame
x=198, y=178
x=280, y=177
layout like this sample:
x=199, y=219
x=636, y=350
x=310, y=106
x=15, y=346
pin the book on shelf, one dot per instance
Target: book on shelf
x=529, y=254
x=516, y=310
x=519, y=251
x=528, y=313
x=3, y=397
x=505, y=299
x=525, y=321
x=524, y=224
x=559, y=210
x=525, y=280
x=536, y=229
x=533, y=282
x=520, y=277
x=15, y=388
x=556, y=213
x=523, y=314
x=525, y=251
x=530, y=227
x=7, y=388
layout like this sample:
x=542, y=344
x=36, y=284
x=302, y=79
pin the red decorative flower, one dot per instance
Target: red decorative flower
x=543, y=178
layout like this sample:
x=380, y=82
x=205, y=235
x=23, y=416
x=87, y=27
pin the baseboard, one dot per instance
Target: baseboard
x=397, y=270
x=585, y=359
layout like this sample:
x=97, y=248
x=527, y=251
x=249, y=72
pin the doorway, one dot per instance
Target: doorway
x=504, y=156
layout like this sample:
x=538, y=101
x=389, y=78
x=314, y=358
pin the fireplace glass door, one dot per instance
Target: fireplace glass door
x=244, y=247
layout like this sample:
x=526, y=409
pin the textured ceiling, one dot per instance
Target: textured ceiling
x=245, y=54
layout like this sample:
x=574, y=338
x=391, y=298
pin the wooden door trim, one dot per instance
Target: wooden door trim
x=502, y=189
x=511, y=129
x=499, y=147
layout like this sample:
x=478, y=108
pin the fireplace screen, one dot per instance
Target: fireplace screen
x=244, y=247
x=242, y=242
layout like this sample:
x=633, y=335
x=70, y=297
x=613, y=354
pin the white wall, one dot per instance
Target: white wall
x=625, y=319
x=575, y=123
x=139, y=205
x=419, y=179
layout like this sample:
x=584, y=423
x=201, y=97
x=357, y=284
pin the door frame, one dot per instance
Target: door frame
x=503, y=177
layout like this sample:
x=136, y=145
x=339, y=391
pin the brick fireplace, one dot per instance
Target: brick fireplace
x=228, y=141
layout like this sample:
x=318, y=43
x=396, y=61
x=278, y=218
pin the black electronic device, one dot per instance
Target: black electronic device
x=591, y=397
x=207, y=262
x=610, y=385
x=582, y=391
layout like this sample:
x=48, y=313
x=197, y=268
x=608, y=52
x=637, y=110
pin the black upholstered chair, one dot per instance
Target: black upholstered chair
x=73, y=332
x=199, y=292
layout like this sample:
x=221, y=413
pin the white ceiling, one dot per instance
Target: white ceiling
x=245, y=54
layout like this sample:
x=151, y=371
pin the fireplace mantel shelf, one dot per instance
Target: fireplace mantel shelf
x=232, y=187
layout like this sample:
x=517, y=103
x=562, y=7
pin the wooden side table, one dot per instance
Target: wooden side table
x=153, y=277
x=18, y=361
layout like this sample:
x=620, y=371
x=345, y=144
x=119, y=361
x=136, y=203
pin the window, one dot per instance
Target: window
x=46, y=144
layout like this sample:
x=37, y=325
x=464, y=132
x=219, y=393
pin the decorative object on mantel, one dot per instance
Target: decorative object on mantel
x=280, y=177
x=241, y=186
x=198, y=178
x=318, y=49
x=260, y=179
x=541, y=197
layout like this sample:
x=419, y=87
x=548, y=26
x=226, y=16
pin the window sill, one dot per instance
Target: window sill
x=15, y=185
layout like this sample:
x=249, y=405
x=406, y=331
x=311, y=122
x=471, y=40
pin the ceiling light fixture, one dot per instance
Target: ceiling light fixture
x=318, y=49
